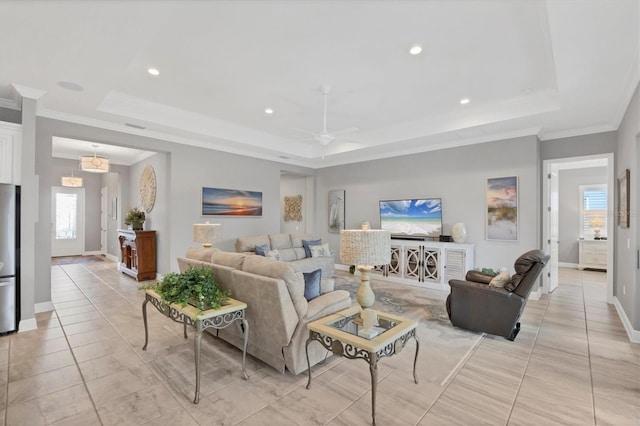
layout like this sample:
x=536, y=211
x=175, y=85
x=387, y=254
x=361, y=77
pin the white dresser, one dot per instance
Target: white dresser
x=592, y=254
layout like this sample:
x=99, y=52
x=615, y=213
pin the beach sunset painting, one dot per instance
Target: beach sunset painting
x=231, y=202
x=502, y=208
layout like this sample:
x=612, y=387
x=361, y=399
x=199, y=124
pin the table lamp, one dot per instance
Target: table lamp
x=365, y=248
x=596, y=223
x=207, y=233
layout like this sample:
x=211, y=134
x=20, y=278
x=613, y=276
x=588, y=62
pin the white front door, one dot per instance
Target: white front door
x=104, y=220
x=67, y=230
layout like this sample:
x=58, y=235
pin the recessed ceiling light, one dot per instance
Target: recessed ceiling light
x=416, y=49
x=268, y=111
x=464, y=101
x=153, y=71
x=69, y=85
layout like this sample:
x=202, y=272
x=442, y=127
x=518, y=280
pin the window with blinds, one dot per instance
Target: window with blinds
x=593, y=211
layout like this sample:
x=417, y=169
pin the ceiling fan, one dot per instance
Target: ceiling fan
x=324, y=137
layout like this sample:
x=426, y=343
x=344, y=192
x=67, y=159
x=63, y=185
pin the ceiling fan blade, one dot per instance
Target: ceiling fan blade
x=345, y=131
x=309, y=132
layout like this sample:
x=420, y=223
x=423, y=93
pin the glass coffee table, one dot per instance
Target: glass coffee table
x=344, y=337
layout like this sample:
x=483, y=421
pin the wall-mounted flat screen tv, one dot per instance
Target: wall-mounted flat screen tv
x=416, y=217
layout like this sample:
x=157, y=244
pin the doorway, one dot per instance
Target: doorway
x=67, y=230
x=552, y=194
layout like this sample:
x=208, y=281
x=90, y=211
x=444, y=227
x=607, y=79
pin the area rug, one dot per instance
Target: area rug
x=443, y=347
x=68, y=260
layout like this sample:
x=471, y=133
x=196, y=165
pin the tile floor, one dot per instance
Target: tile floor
x=572, y=363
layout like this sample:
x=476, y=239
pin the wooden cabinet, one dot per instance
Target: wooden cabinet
x=138, y=253
x=592, y=254
x=10, y=149
x=427, y=264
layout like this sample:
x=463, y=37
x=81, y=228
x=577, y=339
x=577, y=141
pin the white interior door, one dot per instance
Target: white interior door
x=104, y=220
x=67, y=222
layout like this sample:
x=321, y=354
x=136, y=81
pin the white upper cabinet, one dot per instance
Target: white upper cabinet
x=10, y=150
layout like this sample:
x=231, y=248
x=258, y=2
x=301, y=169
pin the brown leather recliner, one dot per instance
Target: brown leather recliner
x=474, y=305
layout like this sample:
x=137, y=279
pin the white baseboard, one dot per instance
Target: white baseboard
x=535, y=295
x=634, y=335
x=27, y=325
x=43, y=307
x=112, y=257
x=92, y=253
x=568, y=265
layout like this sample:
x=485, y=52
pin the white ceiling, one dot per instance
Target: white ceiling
x=552, y=68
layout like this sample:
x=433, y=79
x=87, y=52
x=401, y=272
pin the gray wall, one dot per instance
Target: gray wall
x=577, y=146
x=627, y=239
x=116, y=182
x=10, y=115
x=458, y=176
x=569, y=208
x=157, y=218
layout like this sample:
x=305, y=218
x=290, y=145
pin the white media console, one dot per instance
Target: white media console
x=428, y=264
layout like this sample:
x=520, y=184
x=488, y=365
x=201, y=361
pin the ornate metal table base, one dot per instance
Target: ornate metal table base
x=208, y=319
x=352, y=352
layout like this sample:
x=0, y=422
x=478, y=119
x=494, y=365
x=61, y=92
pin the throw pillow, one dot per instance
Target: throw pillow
x=501, y=279
x=307, y=243
x=273, y=254
x=320, y=251
x=262, y=250
x=312, y=284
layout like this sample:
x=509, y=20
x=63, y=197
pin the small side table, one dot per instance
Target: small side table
x=344, y=337
x=212, y=318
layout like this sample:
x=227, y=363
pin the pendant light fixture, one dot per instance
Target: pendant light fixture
x=94, y=163
x=71, y=181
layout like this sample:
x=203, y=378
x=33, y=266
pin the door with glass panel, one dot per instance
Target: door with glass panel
x=67, y=222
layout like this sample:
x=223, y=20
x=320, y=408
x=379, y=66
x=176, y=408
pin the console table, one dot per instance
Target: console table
x=138, y=253
x=592, y=254
x=429, y=264
x=189, y=315
x=344, y=337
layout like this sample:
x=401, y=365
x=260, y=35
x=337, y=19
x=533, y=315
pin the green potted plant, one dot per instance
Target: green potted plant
x=135, y=218
x=195, y=287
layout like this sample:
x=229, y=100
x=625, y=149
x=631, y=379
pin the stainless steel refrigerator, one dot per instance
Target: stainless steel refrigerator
x=9, y=257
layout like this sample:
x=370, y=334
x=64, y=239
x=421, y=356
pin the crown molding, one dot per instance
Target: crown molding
x=9, y=104
x=577, y=132
x=28, y=92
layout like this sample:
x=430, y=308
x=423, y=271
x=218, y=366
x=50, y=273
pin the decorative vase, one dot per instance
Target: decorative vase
x=136, y=226
x=459, y=232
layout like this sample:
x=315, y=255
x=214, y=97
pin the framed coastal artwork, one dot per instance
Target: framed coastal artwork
x=231, y=202
x=623, y=199
x=336, y=211
x=502, y=208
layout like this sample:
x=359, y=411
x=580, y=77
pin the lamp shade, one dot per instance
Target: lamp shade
x=94, y=164
x=207, y=233
x=365, y=247
x=596, y=222
x=72, y=181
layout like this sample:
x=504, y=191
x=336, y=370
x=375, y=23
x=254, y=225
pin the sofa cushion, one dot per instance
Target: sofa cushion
x=296, y=239
x=299, y=251
x=230, y=259
x=249, y=243
x=202, y=254
x=280, y=270
x=288, y=255
x=312, y=284
x=307, y=243
x=280, y=241
x=262, y=250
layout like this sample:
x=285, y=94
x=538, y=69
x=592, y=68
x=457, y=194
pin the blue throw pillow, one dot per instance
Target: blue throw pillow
x=312, y=284
x=262, y=250
x=307, y=243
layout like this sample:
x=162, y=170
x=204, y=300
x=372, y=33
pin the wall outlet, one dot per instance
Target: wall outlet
x=624, y=289
x=628, y=243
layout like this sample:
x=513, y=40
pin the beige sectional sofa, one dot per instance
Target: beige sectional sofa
x=290, y=249
x=277, y=311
